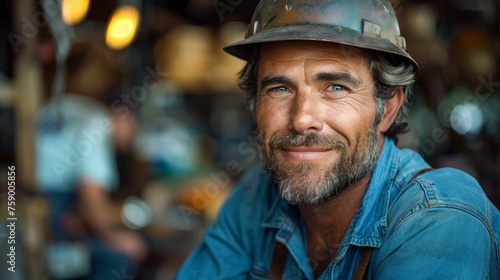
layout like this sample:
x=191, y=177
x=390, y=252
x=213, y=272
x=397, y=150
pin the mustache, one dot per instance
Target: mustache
x=279, y=141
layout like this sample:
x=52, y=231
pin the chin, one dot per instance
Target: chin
x=305, y=184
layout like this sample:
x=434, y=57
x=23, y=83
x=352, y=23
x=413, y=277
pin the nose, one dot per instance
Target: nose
x=305, y=115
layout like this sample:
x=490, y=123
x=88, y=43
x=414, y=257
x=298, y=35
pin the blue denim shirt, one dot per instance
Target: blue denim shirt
x=441, y=225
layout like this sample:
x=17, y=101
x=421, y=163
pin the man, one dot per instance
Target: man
x=329, y=83
x=76, y=173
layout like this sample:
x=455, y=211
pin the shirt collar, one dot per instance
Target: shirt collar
x=370, y=221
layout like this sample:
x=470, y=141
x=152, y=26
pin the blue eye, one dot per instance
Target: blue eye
x=337, y=88
x=279, y=90
x=336, y=91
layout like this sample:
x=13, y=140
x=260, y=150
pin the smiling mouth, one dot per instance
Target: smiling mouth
x=303, y=153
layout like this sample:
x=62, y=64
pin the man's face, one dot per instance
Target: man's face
x=315, y=111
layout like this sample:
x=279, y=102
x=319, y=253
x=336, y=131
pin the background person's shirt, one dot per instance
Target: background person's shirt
x=73, y=143
x=439, y=226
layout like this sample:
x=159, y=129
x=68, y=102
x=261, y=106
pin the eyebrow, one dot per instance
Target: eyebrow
x=271, y=80
x=322, y=76
x=338, y=76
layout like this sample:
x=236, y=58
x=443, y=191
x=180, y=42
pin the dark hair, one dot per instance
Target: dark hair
x=388, y=71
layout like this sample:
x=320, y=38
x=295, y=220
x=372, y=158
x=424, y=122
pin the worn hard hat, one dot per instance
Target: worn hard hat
x=368, y=24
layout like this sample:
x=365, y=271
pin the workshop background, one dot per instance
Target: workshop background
x=182, y=133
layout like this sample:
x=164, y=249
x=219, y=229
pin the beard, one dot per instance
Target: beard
x=306, y=184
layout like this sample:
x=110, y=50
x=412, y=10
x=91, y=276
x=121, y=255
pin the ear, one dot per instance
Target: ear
x=391, y=110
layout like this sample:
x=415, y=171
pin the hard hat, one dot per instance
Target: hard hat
x=367, y=24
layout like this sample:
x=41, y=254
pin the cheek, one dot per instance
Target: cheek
x=350, y=118
x=270, y=116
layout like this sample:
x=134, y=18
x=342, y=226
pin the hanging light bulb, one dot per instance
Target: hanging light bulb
x=74, y=11
x=122, y=26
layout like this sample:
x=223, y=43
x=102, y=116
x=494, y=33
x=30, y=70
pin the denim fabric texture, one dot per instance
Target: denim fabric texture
x=440, y=225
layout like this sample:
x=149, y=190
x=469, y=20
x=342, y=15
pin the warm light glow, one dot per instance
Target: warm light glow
x=122, y=27
x=74, y=11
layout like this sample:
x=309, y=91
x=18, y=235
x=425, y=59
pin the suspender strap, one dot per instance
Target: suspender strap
x=360, y=272
x=425, y=170
x=278, y=261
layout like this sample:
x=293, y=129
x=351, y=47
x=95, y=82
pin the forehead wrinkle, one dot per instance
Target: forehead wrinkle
x=322, y=57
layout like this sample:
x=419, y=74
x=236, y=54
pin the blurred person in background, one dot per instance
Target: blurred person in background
x=76, y=172
x=329, y=83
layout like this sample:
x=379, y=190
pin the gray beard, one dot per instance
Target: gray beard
x=291, y=180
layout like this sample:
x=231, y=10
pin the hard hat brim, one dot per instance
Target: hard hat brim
x=318, y=32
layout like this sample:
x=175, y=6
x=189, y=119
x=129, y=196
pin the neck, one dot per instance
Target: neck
x=328, y=222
